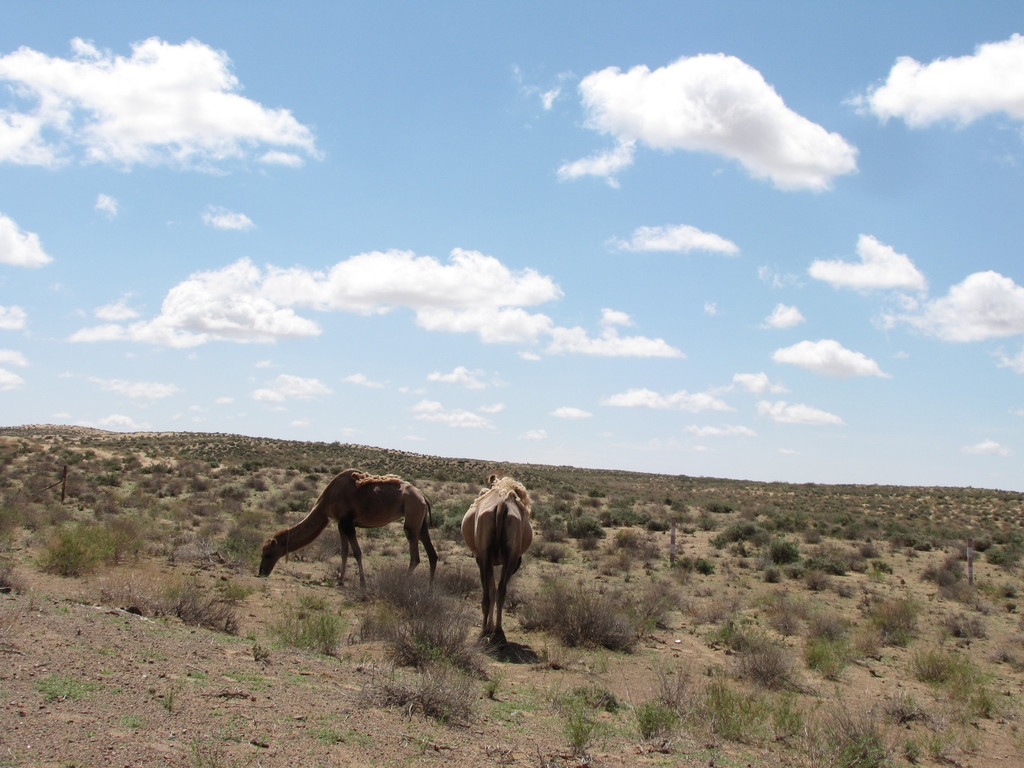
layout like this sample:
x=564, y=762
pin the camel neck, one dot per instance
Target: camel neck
x=306, y=530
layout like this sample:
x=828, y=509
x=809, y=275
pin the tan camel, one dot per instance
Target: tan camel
x=497, y=531
x=355, y=499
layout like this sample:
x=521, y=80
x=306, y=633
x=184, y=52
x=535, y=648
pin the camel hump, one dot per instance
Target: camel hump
x=512, y=490
x=362, y=478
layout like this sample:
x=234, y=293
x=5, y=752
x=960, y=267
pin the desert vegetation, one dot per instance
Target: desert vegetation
x=795, y=625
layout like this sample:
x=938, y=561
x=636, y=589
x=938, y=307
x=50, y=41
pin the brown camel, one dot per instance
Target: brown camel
x=497, y=531
x=355, y=499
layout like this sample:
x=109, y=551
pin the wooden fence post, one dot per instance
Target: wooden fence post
x=672, y=546
x=970, y=561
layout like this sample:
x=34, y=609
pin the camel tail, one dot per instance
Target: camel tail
x=500, y=516
x=430, y=513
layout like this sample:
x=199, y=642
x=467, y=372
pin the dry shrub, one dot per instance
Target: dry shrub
x=421, y=627
x=847, y=740
x=766, y=662
x=149, y=595
x=785, y=614
x=895, y=619
x=964, y=626
x=580, y=615
x=195, y=605
x=440, y=692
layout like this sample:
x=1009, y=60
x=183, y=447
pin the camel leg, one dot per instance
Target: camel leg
x=344, y=553
x=429, y=547
x=414, y=548
x=348, y=534
x=487, y=584
x=506, y=574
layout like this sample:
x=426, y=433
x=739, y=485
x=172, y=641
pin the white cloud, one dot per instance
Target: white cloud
x=473, y=293
x=830, y=358
x=610, y=317
x=609, y=344
x=12, y=318
x=961, y=89
x=117, y=311
x=221, y=218
x=757, y=383
x=106, y=204
x=287, y=386
x=138, y=390
x=362, y=380
x=568, y=412
x=226, y=305
x=986, y=305
x=784, y=413
x=680, y=238
x=603, y=164
x=880, y=267
x=9, y=380
x=726, y=431
x=709, y=103
x=496, y=408
x=710, y=308
x=117, y=421
x=783, y=317
x=1015, y=363
x=986, y=448
x=20, y=249
x=431, y=410
x=13, y=357
x=287, y=159
x=697, y=402
x=461, y=375
x=536, y=434
x=174, y=104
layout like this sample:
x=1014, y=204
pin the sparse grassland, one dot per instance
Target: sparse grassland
x=797, y=624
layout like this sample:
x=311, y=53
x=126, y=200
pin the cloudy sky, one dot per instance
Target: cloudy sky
x=744, y=240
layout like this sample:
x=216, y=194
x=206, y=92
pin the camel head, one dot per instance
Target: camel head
x=273, y=549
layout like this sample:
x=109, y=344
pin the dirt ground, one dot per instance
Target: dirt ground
x=87, y=683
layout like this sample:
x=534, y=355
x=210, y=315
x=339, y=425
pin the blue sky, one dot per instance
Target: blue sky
x=744, y=240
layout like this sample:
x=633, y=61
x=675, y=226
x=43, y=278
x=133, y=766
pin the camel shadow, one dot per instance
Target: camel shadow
x=513, y=653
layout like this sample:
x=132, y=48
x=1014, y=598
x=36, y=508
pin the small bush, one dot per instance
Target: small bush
x=766, y=663
x=783, y=551
x=440, y=692
x=827, y=656
x=76, y=550
x=654, y=719
x=963, y=626
x=896, y=620
x=196, y=606
x=850, y=741
x=309, y=628
x=421, y=627
x=584, y=527
x=579, y=615
x=734, y=714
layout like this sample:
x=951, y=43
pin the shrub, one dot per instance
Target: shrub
x=827, y=656
x=76, y=550
x=896, y=620
x=196, y=606
x=309, y=628
x=654, y=719
x=963, y=626
x=421, y=627
x=733, y=714
x=767, y=663
x=584, y=526
x=440, y=692
x=783, y=551
x=850, y=741
x=579, y=615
